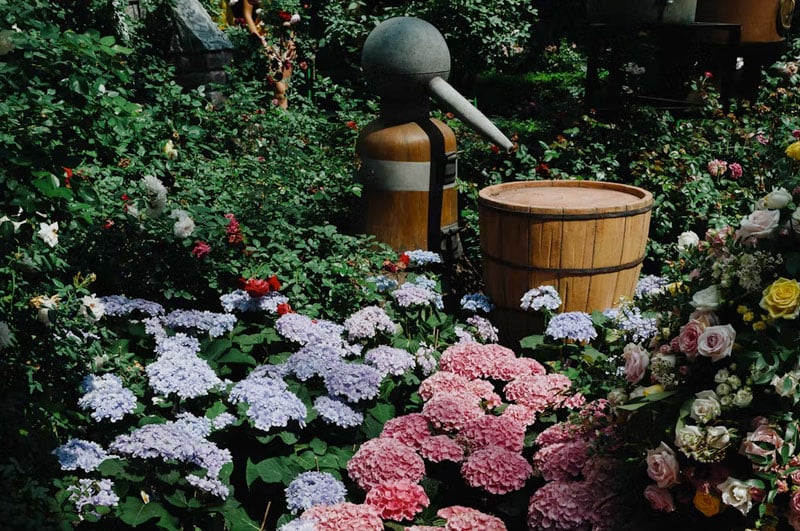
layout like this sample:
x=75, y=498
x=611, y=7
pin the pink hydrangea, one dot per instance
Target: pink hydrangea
x=736, y=170
x=522, y=414
x=539, y=392
x=474, y=360
x=442, y=382
x=717, y=167
x=490, y=430
x=507, y=369
x=381, y=460
x=441, y=448
x=558, y=433
x=496, y=470
x=411, y=429
x=424, y=528
x=562, y=461
x=561, y=505
x=398, y=500
x=451, y=411
x=461, y=518
x=484, y=390
x=602, y=472
x=344, y=515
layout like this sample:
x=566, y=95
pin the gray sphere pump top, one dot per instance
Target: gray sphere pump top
x=406, y=60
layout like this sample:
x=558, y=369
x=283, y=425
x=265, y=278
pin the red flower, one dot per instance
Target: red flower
x=796, y=133
x=543, y=169
x=257, y=287
x=284, y=308
x=388, y=265
x=708, y=75
x=495, y=149
x=67, y=176
x=303, y=66
x=405, y=259
x=232, y=230
x=108, y=224
x=201, y=249
x=352, y=125
x=274, y=283
x=284, y=15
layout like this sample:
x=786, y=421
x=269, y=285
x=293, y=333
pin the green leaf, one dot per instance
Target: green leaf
x=288, y=437
x=134, y=512
x=318, y=446
x=531, y=342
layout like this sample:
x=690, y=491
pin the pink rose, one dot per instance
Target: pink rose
x=736, y=170
x=660, y=499
x=794, y=502
x=663, y=467
x=706, y=317
x=689, y=335
x=636, y=362
x=763, y=435
x=716, y=342
x=759, y=224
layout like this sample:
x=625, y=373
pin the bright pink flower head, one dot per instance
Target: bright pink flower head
x=490, y=430
x=562, y=461
x=443, y=382
x=398, y=500
x=717, y=167
x=451, y=411
x=736, y=170
x=461, y=518
x=201, y=249
x=382, y=460
x=496, y=470
x=441, y=448
x=561, y=505
x=232, y=230
x=507, y=369
x=466, y=358
x=411, y=429
x=521, y=414
x=539, y=392
x=344, y=515
x=558, y=433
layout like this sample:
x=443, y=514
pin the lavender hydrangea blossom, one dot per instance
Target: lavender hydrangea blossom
x=79, y=453
x=300, y=524
x=303, y=330
x=390, y=360
x=426, y=359
x=367, y=322
x=354, y=382
x=119, y=306
x=314, y=360
x=629, y=319
x=649, y=285
x=573, y=326
x=179, y=370
x=334, y=411
x=93, y=493
x=421, y=257
x=222, y=421
x=241, y=301
x=314, y=488
x=271, y=404
x=382, y=283
x=425, y=282
x=484, y=329
x=410, y=294
x=474, y=302
x=106, y=397
x=211, y=485
x=215, y=324
x=543, y=297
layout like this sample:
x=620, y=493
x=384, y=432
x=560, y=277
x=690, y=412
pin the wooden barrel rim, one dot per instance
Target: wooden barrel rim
x=641, y=200
x=566, y=271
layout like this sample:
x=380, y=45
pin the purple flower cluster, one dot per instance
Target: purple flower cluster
x=222, y=421
x=474, y=302
x=649, y=285
x=178, y=369
x=354, y=382
x=78, y=453
x=173, y=441
x=211, y=485
x=241, y=301
x=367, y=322
x=484, y=329
x=314, y=359
x=424, y=282
x=154, y=326
x=335, y=411
x=106, y=397
x=573, y=326
x=629, y=319
x=303, y=330
x=215, y=324
x=198, y=426
x=410, y=294
x=426, y=360
x=314, y=488
x=94, y=493
x=382, y=283
x=543, y=297
x=390, y=360
x=119, y=305
x=271, y=403
x=421, y=257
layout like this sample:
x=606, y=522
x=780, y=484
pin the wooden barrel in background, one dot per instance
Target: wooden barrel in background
x=762, y=21
x=396, y=174
x=586, y=238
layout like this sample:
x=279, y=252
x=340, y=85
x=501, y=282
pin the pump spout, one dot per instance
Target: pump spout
x=475, y=119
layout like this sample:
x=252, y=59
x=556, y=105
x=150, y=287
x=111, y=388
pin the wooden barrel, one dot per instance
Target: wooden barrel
x=585, y=238
x=761, y=20
x=396, y=173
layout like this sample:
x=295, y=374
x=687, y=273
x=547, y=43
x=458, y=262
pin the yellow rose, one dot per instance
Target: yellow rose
x=782, y=299
x=708, y=504
x=793, y=151
x=653, y=389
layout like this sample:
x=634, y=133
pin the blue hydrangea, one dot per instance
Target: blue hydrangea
x=154, y=326
x=303, y=330
x=119, y=305
x=314, y=488
x=424, y=282
x=199, y=427
x=79, y=453
x=426, y=359
x=650, y=285
x=354, y=382
x=173, y=441
x=314, y=360
x=271, y=404
x=368, y=322
x=106, y=397
x=420, y=257
x=476, y=302
x=222, y=421
x=300, y=524
x=573, y=326
x=334, y=411
x=211, y=485
x=241, y=301
x=390, y=360
x=178, y=369
x=93, y=493
x=484, y=329
x=543, y=297
x=382, y=283
x=410, y=294
x=630, y=321
x=215, y=324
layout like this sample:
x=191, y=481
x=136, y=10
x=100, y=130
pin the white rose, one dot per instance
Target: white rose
x=716, y=342
x=687, y=240
x=759, y=224
x=785, y=385
x=718, y=437
x=49, y=233
x=736, y=493
x=721, y=376
x=743, y=397
x=706, y=407
x=794, y=222
x=689, y=437
x=91, y=308
x=777, y=199
x=707, y=299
